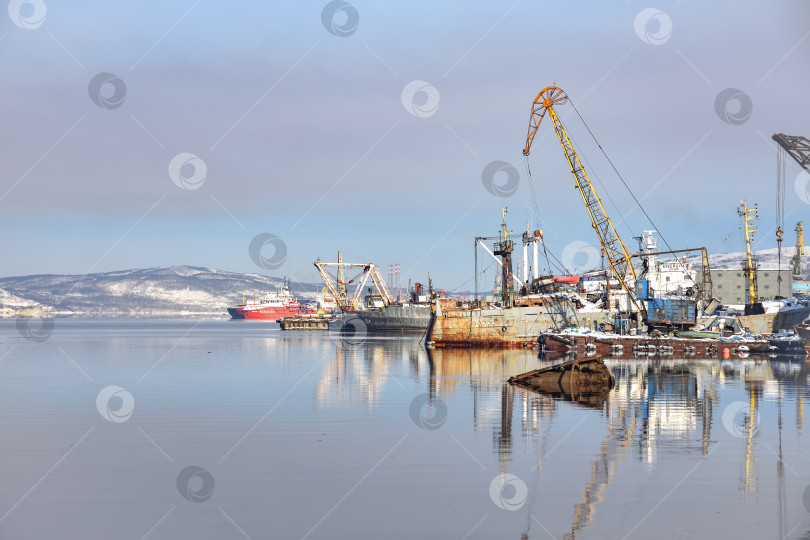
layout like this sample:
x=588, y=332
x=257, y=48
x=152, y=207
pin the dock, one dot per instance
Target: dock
x=619, y=346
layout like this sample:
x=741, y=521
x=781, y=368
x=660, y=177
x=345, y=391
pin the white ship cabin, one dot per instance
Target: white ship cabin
x=673, y=276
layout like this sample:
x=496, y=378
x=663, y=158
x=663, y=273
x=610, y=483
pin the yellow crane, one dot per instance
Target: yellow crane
x=616, y=253
x=749, y=265
x=796, y=261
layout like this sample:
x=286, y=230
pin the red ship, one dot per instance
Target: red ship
x=275, y=305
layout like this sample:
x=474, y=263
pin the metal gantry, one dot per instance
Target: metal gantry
x=338, y=287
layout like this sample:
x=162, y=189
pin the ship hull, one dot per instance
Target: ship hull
x=769, y=323
x=803, y=331
x=272, y=314
x=391, y=320
x=515, y=327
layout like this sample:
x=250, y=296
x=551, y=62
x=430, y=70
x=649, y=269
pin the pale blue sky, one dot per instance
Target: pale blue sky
x=304, y=134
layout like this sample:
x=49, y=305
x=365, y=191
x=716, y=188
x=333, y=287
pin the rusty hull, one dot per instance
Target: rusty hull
x=460, y=325
x=586, y=381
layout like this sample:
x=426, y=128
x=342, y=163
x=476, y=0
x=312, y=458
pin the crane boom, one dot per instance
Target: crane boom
x=798, y=148
x=612, y=246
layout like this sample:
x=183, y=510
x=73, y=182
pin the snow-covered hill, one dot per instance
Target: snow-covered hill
x=174, y=290
x=145, y=292
x=766, y=259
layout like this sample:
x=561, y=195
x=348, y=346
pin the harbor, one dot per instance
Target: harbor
x=649, y=302
x=653, y=301
x=412, y=271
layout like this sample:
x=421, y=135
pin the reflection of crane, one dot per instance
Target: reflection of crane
x=780, y=475
x=602, y=470
x=750, y=481
x=614, y=249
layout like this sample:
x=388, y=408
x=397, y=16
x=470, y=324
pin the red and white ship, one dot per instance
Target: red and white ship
x=275, y=305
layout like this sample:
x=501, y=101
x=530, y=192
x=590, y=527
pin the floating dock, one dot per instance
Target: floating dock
x=621, y=345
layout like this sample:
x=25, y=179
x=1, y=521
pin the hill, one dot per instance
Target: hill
x=146, y=292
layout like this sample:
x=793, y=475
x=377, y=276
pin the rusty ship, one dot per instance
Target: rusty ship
x=518, y=318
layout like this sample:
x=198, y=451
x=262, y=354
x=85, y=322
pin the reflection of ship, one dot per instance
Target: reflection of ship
x=275, y=305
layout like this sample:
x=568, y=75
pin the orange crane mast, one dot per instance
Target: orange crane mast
x=616, y=254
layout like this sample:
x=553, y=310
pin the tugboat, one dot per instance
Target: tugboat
x=274, y=305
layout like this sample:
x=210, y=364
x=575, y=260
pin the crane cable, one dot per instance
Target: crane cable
x=780, y=213
x=561, y=267
x=638, y=203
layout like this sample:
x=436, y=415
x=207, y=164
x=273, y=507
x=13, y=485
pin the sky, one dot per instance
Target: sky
x=262, y=136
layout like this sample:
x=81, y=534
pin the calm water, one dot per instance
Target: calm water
x=234, y=429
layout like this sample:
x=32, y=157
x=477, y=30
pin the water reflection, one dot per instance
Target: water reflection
x=359, y=373
x=660, y=410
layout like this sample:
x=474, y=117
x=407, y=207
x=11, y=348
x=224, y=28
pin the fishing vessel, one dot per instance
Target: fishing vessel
x=273, y=306
x=518, y=317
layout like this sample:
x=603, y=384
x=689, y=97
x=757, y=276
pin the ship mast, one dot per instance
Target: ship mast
x=505, y=252
x=749, y=265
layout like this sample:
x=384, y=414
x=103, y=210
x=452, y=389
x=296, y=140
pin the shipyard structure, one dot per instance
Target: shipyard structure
x=639, y=293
